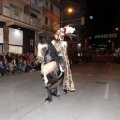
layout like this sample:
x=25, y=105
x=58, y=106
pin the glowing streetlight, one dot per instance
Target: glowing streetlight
x=109, y=41
x=70, y=10
x=91, y=17
x=116, y=28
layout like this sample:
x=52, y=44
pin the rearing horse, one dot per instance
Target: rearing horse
x=51, y=68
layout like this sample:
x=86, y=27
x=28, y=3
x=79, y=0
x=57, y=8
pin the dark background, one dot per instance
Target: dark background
x=106, y=15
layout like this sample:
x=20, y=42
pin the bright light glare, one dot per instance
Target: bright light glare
x=70, y=10
x=16, y=32
x=91, y=17
x=116, y=28
x=79, y=44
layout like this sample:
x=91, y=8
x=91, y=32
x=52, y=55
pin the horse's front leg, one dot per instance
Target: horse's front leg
x=49, y=98
x=52, y=91
x=48, y=87
x=45, y=79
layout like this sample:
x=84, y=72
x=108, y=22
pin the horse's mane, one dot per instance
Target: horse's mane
x=51, y=48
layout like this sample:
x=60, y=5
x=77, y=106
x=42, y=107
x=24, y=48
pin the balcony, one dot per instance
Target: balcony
x=14, y=17
x=23, y=2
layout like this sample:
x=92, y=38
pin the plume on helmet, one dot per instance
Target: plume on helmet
x=62, y=32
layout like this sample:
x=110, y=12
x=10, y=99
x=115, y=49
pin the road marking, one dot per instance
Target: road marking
x=106, y=91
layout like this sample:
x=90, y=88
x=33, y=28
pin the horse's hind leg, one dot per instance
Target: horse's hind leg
x=55, y=92
x=52, y=91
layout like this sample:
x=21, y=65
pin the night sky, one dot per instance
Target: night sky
x=106, y=16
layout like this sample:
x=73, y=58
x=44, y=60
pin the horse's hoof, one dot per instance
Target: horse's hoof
x=58, y=93
x=64, y=91
x=47, y=100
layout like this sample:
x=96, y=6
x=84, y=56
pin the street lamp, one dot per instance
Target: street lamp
x=116, y=29
x=70, y=10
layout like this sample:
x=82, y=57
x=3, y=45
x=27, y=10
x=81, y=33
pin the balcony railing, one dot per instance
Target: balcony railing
x=20, y=16
x=27, y=1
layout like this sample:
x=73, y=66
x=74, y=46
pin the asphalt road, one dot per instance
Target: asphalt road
x=97, y=95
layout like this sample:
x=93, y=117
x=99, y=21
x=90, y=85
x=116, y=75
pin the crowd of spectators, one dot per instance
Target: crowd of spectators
x=12, y=63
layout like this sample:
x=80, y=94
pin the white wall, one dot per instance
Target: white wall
x=1, y=35
x=0, y=48
x=15, y=36
x=15, y=49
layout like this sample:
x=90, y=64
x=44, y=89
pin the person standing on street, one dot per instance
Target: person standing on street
x=61, y=47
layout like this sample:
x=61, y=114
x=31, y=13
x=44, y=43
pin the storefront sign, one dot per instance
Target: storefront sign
x=106, y=36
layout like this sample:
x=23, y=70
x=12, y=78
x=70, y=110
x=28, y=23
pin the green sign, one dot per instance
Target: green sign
x=106, y=36
x=102, y=45
x=100, y=48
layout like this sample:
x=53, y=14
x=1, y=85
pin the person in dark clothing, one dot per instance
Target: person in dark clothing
x=9, y=58
x=1, y=68
x=2, y=57
x=6, y=67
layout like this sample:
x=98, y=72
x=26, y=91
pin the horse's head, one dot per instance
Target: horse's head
x=41, y=52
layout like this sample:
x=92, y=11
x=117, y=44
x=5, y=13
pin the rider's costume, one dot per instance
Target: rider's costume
x=61, y=47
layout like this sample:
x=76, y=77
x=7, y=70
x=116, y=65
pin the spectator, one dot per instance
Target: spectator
x=9, y=57
x=12, y=67
x=26, y=66
x=29, y=65
x=2, y=57
x=1, y=68
x=27, y=57
x=6, y=67
x=37, y=65
x=20, y=66
x=33, y=65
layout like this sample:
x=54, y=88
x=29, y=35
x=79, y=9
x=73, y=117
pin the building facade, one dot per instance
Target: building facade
x=23, y=21
x=76, y=17
x=51, y=18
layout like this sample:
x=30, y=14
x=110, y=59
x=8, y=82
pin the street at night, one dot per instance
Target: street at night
x=97, y=95
x=40, y=39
